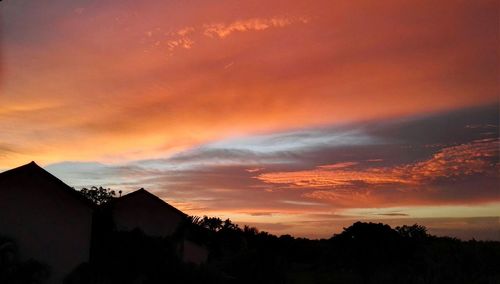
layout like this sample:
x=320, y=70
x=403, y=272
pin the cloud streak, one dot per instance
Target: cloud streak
x=476, y=158
x=186, y=37
x=251, y=176
x=107, y=72
x=256, y=24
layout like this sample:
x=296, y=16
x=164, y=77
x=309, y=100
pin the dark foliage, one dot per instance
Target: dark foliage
x=98, y=195
x=133, y=257
x=362, y=253
x=14, y=271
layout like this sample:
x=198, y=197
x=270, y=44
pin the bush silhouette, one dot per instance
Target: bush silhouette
x=15, y=271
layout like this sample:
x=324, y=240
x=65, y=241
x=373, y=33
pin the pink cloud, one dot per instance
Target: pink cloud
x=255, y=24
x=462, y=160
x=347, y=186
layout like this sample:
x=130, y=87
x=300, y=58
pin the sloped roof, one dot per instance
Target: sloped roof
x=26, y=173
x=149, y=195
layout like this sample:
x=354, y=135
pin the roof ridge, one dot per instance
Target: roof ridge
x=142, y=190
x=31, y=164
x=35, y=168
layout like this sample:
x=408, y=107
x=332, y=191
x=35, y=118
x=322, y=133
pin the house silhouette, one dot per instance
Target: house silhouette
x=53, y=223
x=144, y=210
x=153, y=216
x=49, y=220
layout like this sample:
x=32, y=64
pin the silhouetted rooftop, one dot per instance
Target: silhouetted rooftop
x=149, y=195
x=26, y=173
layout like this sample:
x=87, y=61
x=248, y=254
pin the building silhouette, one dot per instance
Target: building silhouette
x=54, y=224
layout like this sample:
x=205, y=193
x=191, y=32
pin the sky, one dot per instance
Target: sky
x=297, y=117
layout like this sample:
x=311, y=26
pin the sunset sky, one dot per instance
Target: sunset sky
x=297, y=117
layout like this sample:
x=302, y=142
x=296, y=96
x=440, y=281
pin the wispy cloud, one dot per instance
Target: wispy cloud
x=267, y=175
x=182, y=42
x=271, y=72
x=468, y=159
x=367, y=166
x=93, y=81
x=223, y=30
x=186, y=37
x=478, y=157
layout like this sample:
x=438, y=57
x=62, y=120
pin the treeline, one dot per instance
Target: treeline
x=362, y=253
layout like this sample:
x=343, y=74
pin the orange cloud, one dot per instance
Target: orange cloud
x=323, y=177
x=182, y=42
x=351, y=187
x=184, y=37
x=478, y=157
x=468, y=159
x=110, y=92
x=255, y=24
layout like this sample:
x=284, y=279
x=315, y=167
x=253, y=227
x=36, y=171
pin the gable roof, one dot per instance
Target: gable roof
x=30, y=170
x=149, y=195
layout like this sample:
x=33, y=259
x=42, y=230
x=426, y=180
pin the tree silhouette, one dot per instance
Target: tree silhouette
x=213, y=224
x=414, y=231
x=98, y=195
